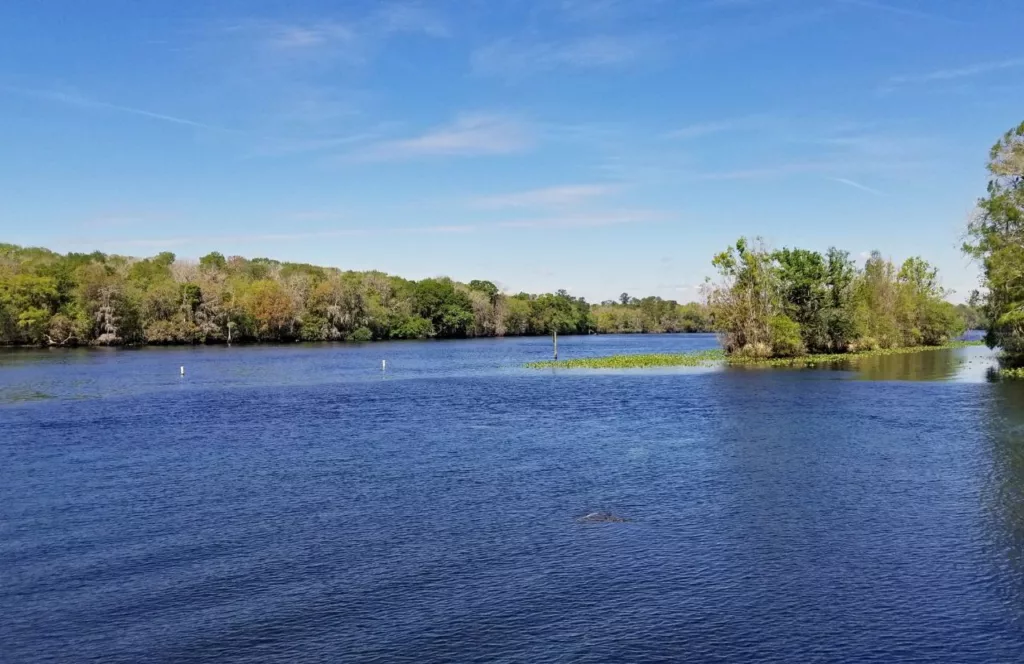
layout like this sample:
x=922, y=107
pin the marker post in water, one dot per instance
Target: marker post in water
x=383, y=365
x=554, y=339
x=183, y=371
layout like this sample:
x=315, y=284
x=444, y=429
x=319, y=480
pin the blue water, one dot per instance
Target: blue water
x=294, y=504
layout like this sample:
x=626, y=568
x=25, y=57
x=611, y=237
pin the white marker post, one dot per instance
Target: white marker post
x=183, y=371
x=383, y=365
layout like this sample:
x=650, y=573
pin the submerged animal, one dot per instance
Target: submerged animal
x=601, y=517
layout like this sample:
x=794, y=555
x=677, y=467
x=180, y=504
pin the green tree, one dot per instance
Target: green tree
x=449, y=310
x=995, y=238
x=747, y=299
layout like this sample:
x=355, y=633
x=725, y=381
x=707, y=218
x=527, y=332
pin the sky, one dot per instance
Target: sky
x=600, y=146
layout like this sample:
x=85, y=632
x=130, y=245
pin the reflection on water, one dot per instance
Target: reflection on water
x=972, y=364
x=1004, y=490
x=925, y=365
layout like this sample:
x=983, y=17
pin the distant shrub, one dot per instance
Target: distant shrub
x=864, y=344
x=415, y=327
x=755, y=351
x=360, y=335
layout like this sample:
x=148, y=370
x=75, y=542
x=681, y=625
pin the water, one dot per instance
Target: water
x=291, y=503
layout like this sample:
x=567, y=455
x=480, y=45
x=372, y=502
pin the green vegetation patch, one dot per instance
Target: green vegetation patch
x=826, y=358
x=712, y=357
x=703, y=358
x=1012, y=374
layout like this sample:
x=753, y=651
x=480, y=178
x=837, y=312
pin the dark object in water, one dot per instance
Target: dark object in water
x=601, y=517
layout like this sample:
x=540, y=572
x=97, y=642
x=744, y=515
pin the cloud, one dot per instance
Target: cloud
x=468, y=135
x=857, y=185
x=353, y=40
x=287, y=37
x=959, y=72
x=895, y=9
x=838, y=164
x=69, y=99
x=510, y=57
x=596, y=220
x=716, y=127
x=285, y=146
x=596, y=10
x=548, y=197
x=408, y=17
x=765, y=171
x=584, y=220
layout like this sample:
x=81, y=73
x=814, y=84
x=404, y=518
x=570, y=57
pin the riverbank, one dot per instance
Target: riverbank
x=712, y=357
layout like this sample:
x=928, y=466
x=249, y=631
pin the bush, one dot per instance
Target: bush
x=785, y=335
x=754, y=351
x=360, y=335
x=864, y=344
x=415, y=327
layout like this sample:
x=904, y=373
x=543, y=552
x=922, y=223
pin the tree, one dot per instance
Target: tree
x=793, y=301
x=271, y=310
x=448, y=309
x=486, y=287
x=213, y=262
x=803, y=275
x=747, y=299
x=839, y=321
x=995, y=238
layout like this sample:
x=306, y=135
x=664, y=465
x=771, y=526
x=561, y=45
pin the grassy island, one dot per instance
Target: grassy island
x=714, y=357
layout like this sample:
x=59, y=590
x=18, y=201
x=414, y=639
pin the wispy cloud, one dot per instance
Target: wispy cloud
x=583, y=220
x=510, y=57
x=78, y=101
x=857, y=185
x=285, y=146
x=409, y=17
x=700, y=129
x=288, y=37
x=595, y=10
x=547, y=197
x=764, y=172
x=899, y=10
x=469, y=135
x=976, y=69
x=569, y=221
x=185, y=240
x=823, y=166
x=350, y=40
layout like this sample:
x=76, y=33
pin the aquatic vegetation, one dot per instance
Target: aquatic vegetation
x=1012, y=374
x=715, y=357
x=702, y=358
x=826, y=358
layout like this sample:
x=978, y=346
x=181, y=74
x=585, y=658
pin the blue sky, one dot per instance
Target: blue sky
x=599, y=146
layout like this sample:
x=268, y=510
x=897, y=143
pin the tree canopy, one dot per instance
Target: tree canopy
x=995, y=238
x=48, y=298
x=794, y=301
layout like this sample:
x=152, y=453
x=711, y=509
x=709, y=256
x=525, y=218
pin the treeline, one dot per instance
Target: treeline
x=630, y=315
x=48, y=298
x=793, y=301
x=995, y=239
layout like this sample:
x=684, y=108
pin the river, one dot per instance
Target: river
x=298, y=504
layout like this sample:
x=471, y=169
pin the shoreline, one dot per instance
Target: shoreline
x=337, y=342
